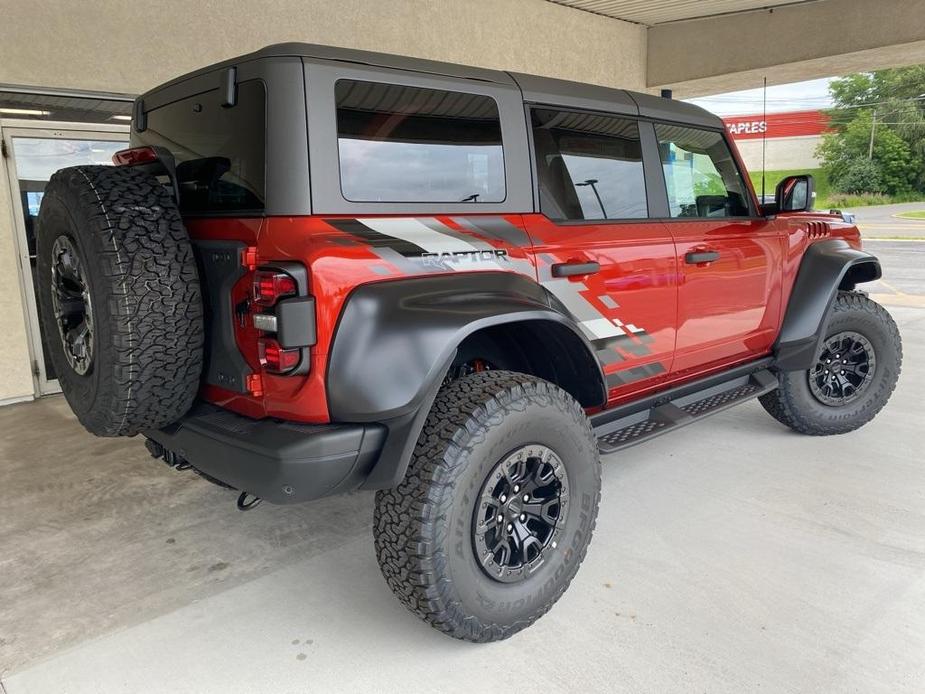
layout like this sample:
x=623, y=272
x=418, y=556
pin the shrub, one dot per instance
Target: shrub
x=858, y=176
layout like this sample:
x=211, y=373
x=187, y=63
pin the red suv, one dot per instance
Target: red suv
x=320, y=270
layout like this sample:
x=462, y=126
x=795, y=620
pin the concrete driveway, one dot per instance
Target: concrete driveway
x=731, y=556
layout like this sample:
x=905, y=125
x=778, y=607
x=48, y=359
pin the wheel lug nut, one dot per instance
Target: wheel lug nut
x=526, y=497
x=523, y=516
x=516, y=488
x=510, y=527
x=500, y=519
x=504, y=497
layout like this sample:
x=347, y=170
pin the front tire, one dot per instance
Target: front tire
x=496, y=445
x=854, y=375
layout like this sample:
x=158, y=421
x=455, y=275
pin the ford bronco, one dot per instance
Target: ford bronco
x=319, y=270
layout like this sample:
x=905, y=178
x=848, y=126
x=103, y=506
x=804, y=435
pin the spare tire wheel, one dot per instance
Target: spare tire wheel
x=119, y=296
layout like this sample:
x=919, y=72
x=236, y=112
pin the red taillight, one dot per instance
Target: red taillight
x=270, y=287
x=134, y=156
x=276, y=359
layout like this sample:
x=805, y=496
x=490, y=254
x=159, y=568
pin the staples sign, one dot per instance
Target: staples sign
x=751, y=127
x=789, y=124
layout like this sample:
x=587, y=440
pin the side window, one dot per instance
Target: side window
x=220, y=152
x=701, y=176
x=589, y=166
x=407, y=144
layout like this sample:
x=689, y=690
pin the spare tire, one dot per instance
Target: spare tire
x=119, y=297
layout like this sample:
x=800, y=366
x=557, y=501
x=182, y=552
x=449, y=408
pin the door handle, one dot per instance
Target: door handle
x=575, y=269
x=697, y=257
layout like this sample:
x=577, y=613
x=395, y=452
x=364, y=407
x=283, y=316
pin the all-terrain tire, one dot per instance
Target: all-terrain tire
x=794, y=403
x=140, y=277
x=423, y=527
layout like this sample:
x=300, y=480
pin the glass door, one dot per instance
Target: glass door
x=34, y=154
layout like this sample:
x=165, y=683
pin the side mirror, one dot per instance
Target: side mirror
x=795, y=194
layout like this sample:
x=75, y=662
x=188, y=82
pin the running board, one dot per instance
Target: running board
x=677, y=408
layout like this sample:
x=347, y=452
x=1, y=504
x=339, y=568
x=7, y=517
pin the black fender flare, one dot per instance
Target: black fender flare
x=827, y=267
x=395, y=341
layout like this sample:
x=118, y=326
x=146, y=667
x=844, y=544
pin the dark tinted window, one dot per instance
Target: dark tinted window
x=700, y=173
x=406, y=144
x=589, y=166
x=220, y=152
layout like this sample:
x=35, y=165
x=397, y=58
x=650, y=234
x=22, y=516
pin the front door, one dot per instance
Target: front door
x=729, y=258
x=33, y=155
x=596, y=251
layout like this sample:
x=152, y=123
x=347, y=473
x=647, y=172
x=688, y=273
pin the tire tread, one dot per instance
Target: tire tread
x=146, y=272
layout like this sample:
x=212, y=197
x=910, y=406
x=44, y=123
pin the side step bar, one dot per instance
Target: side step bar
x=678, y=407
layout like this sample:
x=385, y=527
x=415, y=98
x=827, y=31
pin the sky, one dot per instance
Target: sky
x=798, y=96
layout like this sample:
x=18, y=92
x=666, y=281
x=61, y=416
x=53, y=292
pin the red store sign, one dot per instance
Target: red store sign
x=792, y=124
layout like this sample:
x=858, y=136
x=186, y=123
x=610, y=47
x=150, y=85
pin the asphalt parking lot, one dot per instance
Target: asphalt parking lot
x=731, y=556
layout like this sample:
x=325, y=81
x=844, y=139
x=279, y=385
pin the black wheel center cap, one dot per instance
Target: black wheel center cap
x=520, y=513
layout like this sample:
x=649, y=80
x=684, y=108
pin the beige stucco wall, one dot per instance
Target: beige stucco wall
x=783, y=153
x=129, y=46
x=801, y=41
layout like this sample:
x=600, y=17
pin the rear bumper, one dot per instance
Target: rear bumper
x=281, y=462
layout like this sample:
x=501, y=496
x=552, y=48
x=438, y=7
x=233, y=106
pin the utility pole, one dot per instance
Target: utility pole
x=764, y=135
x=873, y=127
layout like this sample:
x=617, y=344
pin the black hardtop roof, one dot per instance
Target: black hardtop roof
x=535, y=88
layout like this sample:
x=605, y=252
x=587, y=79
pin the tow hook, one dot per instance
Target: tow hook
x=245, y=504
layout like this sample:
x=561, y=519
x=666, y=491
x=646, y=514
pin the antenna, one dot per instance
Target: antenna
x=764, y=135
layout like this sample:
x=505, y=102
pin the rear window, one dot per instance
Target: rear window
x=407, y=144
x=589, y=166
x=220, y=151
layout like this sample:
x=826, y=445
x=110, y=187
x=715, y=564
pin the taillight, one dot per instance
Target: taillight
x=270, y=287
x=134, y=156
x=284, y=313
x=275, y=358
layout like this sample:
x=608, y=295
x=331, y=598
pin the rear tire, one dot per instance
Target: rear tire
x=487, y=435
x=815, y=401
x=119, y=299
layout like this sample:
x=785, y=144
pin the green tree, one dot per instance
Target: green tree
x=887, y=106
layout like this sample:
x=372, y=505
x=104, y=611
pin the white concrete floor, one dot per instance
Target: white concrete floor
x=731, y=556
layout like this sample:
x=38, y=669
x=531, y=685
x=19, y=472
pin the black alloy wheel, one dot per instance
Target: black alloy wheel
x=73, y=309
x=844, y=370
x=519, y=513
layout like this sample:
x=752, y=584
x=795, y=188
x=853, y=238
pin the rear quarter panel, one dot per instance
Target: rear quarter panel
x=343, y=253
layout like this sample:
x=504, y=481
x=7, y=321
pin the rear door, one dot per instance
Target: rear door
x=596, y=250
x=728, y=257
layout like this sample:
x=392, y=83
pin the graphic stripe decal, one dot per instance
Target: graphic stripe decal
x=356, y=228
x=496, y=228
x=411, y=231
x=415, y=245
x=436, y=226
x=621, y=378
